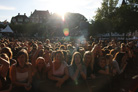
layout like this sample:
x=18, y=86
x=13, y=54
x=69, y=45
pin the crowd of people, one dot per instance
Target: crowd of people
x=32, y=65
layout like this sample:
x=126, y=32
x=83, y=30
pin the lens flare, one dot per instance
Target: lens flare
x=63, y=18
x=67, y=38
x=66, y=31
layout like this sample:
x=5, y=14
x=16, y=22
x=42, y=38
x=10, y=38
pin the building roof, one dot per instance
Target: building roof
x=40, y=13
x=23, y=16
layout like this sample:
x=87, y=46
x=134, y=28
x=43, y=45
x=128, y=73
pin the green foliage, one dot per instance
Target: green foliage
x=105, y=17
x=107, y=7
x=126, y=19
x=2, y=26
x=133, y=1
x=115, y=19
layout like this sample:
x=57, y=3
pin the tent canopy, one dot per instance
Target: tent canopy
x=7, y=30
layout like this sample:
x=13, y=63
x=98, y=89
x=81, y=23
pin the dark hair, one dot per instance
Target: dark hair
x=62, y=47
x=59, y=52
x=118, y=57
x=102, y=58
x=22, y=52
x=107, y=56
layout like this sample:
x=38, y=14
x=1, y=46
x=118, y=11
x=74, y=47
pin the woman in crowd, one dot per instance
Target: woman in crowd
x=87, y=59
x=77, y=71
x=32, y=52
x=5, y=84
x=40, y=70
x=40, y=74
x=21, y=73
x=48, y=58
x=96, y=53
x=59, y=72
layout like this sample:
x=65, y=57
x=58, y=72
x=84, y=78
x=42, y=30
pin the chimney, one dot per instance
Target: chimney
x=24, y=14
x=18, y=13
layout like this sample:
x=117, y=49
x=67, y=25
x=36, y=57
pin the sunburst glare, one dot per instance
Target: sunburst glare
x=61, y=7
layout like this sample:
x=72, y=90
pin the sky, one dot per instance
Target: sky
x=11, y=8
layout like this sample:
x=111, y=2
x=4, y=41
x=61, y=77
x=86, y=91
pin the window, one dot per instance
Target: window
x=20, y=19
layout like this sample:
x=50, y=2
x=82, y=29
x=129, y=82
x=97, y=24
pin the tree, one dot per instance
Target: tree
x=107, y=7
x=126, y=19
x=104, y=15
x=133, y=1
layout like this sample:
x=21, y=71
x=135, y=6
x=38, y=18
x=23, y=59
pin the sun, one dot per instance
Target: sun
x=61, y=7
x=61, y=13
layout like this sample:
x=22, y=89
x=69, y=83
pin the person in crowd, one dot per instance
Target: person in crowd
x=109, y=60
x=8, y=51
x=67, y=56
x=77, y=72
x=96, y=52
x=123, y=47
x=102, y=68
x=21, y=73
x=89, y=47
x=40, y=74
x=101, y=72
x=119, y=62
x=77, y=68
x=87, y=59
x=62, y=47
x=38, y=52
x=47, y=57
x=40, y=70
x=59, y=71
x=48, y=43
x=33, y=50
x=5, y=83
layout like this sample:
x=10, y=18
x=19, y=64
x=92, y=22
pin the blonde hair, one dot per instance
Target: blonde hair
x=38, y=59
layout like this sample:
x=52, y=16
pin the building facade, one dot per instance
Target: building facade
x=39, y=16
x=20, y=19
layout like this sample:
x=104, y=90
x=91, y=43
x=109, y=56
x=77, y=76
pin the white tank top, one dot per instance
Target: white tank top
x=60, y=71
x=22, y=77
